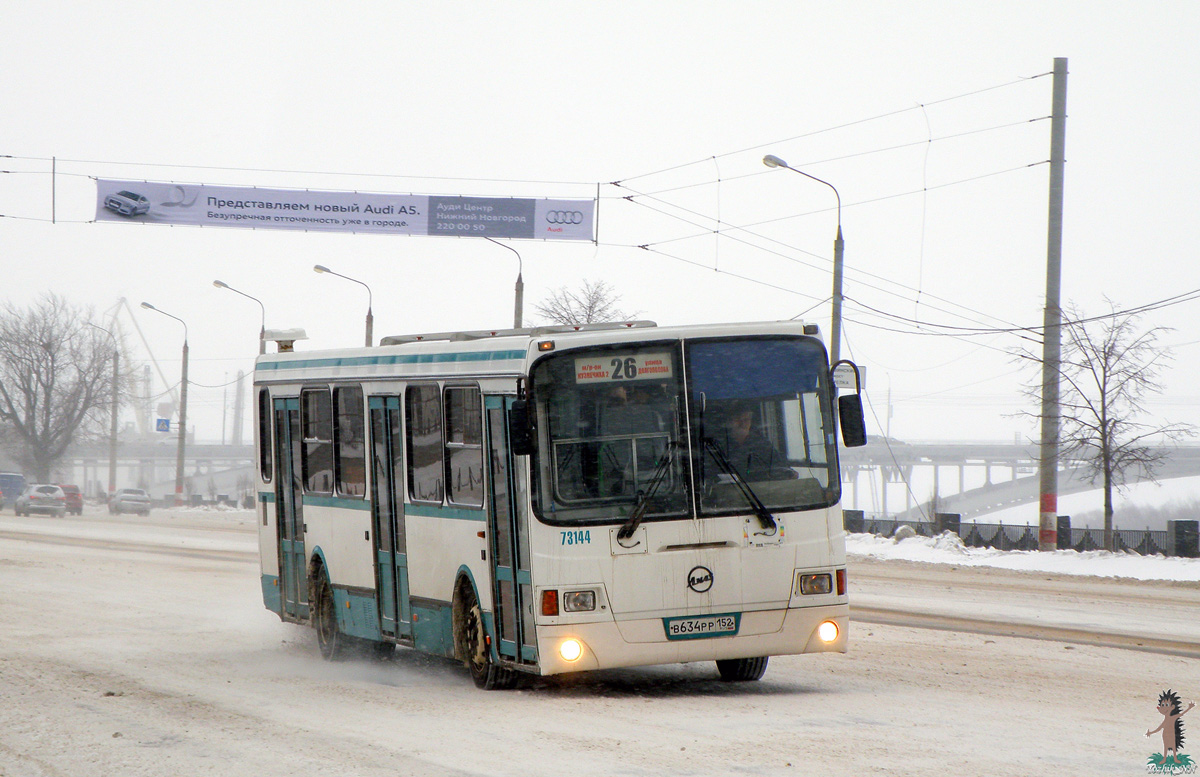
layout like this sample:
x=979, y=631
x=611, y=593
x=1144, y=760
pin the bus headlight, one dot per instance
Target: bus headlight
x=579, y=601
x=827, y=632
x=570, y=649
x=808, y=585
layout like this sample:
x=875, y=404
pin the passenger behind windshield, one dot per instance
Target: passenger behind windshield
x=630, y=410
x=621, y=432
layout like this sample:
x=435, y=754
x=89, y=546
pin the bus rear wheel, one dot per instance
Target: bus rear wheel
x=474, y=648
x=737, y=670
x=330, y=640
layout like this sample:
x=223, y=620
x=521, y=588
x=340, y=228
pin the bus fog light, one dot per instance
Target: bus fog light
x=570, y=649
x=579, y=601
x=808, y=585
x=827, y=631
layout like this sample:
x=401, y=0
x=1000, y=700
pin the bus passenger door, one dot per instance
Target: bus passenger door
x=289, y=519
x=387, y=513
x=512, y=585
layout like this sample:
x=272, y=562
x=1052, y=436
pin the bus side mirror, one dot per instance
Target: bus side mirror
x=854, y=425
x=850, y=407
x=520, y=428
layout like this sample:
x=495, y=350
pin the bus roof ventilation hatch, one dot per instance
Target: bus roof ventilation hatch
x=481, y=334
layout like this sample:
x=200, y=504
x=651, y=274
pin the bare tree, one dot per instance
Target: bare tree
x=1109, y=366
x=54, y=377
x=592, y=303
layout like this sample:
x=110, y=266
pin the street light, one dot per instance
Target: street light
x=835, y=337
x=262, y=330
x=519, y=289
x=183, y=385
x=116, y=401
x=320, y=268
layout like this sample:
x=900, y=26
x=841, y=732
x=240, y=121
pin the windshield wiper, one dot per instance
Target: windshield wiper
x=643, y=501
x=764, y=515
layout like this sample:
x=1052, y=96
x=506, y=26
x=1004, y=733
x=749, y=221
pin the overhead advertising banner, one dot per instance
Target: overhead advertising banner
x=401, y=214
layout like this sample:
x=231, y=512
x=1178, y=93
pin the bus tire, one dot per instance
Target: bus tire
x=740, y=670
x=332, y=642
x=474, y=649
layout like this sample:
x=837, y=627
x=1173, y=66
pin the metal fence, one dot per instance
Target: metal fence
x=1147, y=542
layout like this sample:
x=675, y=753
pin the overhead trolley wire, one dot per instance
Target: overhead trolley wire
x=227, y=168
x=841, y=158
x=958, y=332
x=844, y=125
x=726, y=231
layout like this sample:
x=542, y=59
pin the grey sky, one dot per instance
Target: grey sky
x=678, y=101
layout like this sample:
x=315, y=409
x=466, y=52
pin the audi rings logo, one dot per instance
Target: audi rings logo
x=700, y=579
x=564, y=217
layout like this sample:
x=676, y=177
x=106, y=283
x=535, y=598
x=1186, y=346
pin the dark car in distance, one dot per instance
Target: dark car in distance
x=74, y=498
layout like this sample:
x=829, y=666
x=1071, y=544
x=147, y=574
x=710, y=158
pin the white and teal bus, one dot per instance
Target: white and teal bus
x=559, y=499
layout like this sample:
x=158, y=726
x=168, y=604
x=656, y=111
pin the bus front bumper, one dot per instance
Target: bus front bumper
x=643, y=642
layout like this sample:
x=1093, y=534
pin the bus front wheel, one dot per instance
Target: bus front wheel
x=742, y=669
x=475, y=651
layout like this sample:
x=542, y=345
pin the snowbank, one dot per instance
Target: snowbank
x=947, y=548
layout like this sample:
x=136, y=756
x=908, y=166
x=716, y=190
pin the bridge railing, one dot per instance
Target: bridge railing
x=1180, y=539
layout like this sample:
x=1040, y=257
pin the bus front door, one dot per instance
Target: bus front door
x=289, y=504
x=512, y=590
x=387, y=514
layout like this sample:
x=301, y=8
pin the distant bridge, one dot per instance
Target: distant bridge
x=895, y=464
x=152, y=464
x=1009, y=472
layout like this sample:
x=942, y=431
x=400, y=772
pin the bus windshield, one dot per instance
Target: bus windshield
x=681, y=429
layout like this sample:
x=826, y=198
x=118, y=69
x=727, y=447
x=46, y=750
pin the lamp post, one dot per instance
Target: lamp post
x=262, y=330
x=320, y=268
x=835, y=336
x=116, y=401
x=519, y=288
x=183, y=386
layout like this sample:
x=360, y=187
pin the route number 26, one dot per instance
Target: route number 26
x=624, y=368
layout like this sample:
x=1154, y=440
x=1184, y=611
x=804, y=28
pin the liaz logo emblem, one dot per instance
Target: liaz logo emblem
x=700, y=579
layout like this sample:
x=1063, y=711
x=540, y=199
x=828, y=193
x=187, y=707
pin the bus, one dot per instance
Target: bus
x=559, y=499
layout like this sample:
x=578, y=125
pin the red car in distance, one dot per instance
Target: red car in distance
x=74, y=499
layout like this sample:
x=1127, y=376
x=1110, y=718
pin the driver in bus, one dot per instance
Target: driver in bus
x=746, y=448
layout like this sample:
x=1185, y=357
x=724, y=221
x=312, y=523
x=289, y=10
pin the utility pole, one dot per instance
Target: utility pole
x=179, y=450
x=1052, y=319
x=238, y=408
x=112, y=434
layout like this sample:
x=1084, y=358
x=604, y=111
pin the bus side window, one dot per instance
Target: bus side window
x=350, y=450
x=464, y=446
x=265, y=454
x=317, y=429
x=423, y=415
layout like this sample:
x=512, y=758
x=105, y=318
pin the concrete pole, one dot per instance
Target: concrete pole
x=1052, y=320
x=112, y=432
x=238, y=409
x=835, y=323
x=519, y=288
x=518, y=301
x=183, y=385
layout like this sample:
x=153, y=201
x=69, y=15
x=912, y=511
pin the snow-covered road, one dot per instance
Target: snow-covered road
x=140, y=647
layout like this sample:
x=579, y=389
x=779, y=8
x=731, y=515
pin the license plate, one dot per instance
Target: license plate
x=702, y=626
